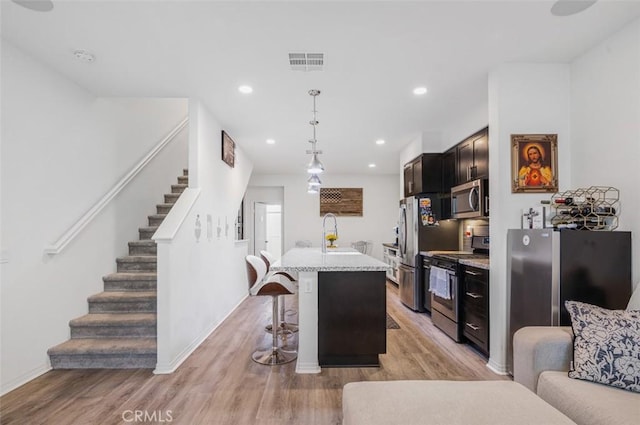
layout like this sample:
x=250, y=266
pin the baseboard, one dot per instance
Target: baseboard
x=163, y=369
x=500, y=369
x=24, y=378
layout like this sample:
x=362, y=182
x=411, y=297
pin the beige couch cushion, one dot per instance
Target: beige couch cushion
x=588, y=403
x=445, y=403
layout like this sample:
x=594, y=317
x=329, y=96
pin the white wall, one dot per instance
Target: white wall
x=201, y=280
x=301, y=210
x=605, y=123
x=523, y=99
x=62, y=150
x=464, y=126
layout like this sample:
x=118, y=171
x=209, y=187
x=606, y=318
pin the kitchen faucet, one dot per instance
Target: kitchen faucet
x=324, y=230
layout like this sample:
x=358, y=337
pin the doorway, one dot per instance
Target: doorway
x=268, y=228
x=264, y=227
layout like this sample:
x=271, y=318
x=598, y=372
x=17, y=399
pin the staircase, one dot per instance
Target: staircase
x=120, y=330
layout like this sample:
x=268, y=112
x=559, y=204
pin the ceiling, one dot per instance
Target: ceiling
x=376, y=53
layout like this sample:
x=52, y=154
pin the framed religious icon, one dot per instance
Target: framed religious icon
x=534, y=163
x=228, y=149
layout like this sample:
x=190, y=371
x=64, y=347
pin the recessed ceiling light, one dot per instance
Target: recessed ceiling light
x=84, y=56
x=570, y=7
x=379, y=142
x=419, y=90
x=37, y=5
x=372, y=165
x=245, y=89
x=271, y=142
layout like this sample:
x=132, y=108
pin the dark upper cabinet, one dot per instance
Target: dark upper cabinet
x=423, y=174
x=449, y=160
x=473, y=157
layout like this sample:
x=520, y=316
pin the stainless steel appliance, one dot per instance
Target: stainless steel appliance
x=445, y=312
x=545, y=268
x=420, y=230
x=470, y=200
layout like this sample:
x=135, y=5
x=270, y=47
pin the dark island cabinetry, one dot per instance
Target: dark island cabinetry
x=351, y=318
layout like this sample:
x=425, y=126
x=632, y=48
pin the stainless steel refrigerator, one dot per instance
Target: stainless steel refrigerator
x=419, y=229
x=545, y=268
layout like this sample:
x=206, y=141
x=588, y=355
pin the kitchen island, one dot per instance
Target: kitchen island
x=341, y=307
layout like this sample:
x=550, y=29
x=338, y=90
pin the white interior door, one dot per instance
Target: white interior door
x=259, y=227
x=274, y=230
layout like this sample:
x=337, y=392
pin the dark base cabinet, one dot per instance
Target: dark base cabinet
x=475, y=307
x=351, y=318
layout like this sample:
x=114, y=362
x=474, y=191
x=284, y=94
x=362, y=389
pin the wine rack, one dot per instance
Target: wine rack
x=592, y=208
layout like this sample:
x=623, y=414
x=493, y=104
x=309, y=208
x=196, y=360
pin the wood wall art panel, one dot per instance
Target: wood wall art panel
x=342, y=201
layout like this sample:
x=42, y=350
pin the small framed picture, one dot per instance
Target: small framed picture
x=228, y=149
x=534, y=159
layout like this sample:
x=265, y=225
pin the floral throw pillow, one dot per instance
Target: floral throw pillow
x=606, y=347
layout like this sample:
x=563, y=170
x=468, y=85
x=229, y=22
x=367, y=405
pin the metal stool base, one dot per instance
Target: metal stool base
x=284, y=327
x=272, y=357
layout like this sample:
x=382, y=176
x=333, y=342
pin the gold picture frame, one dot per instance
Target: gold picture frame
x=534, y=163
x=228, y=149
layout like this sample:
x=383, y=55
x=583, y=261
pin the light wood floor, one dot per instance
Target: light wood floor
x=220, y=384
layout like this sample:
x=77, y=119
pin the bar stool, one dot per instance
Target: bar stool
x=269, y=259
x=272, y=286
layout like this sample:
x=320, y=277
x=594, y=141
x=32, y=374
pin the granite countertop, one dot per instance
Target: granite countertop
x=336, y=259
x=432, y=253
x=481, y=263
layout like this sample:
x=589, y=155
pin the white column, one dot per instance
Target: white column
x=308, y=323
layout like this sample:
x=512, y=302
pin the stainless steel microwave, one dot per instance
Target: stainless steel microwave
x=470, y=200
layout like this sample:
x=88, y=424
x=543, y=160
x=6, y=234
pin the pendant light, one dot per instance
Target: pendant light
x=315, y=166
x=314, y=180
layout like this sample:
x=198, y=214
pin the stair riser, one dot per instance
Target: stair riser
x=119, y=307
x=137, y=267
x=163, y=209
x=143, y=250
x=145, y=235
x=113, y=332
x=104, y=361
x=130, y=286
x=171, y=198
x=183, y=179
x=155, y=221
x=177, y=189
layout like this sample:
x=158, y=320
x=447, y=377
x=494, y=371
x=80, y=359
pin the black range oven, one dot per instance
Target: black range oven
x=445, y=306
x=442, y=279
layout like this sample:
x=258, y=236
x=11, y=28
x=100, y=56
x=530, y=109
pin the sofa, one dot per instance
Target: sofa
x=541, y=393
x=542, y=356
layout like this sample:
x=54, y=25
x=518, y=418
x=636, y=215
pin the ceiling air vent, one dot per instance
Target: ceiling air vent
x=306, y=61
